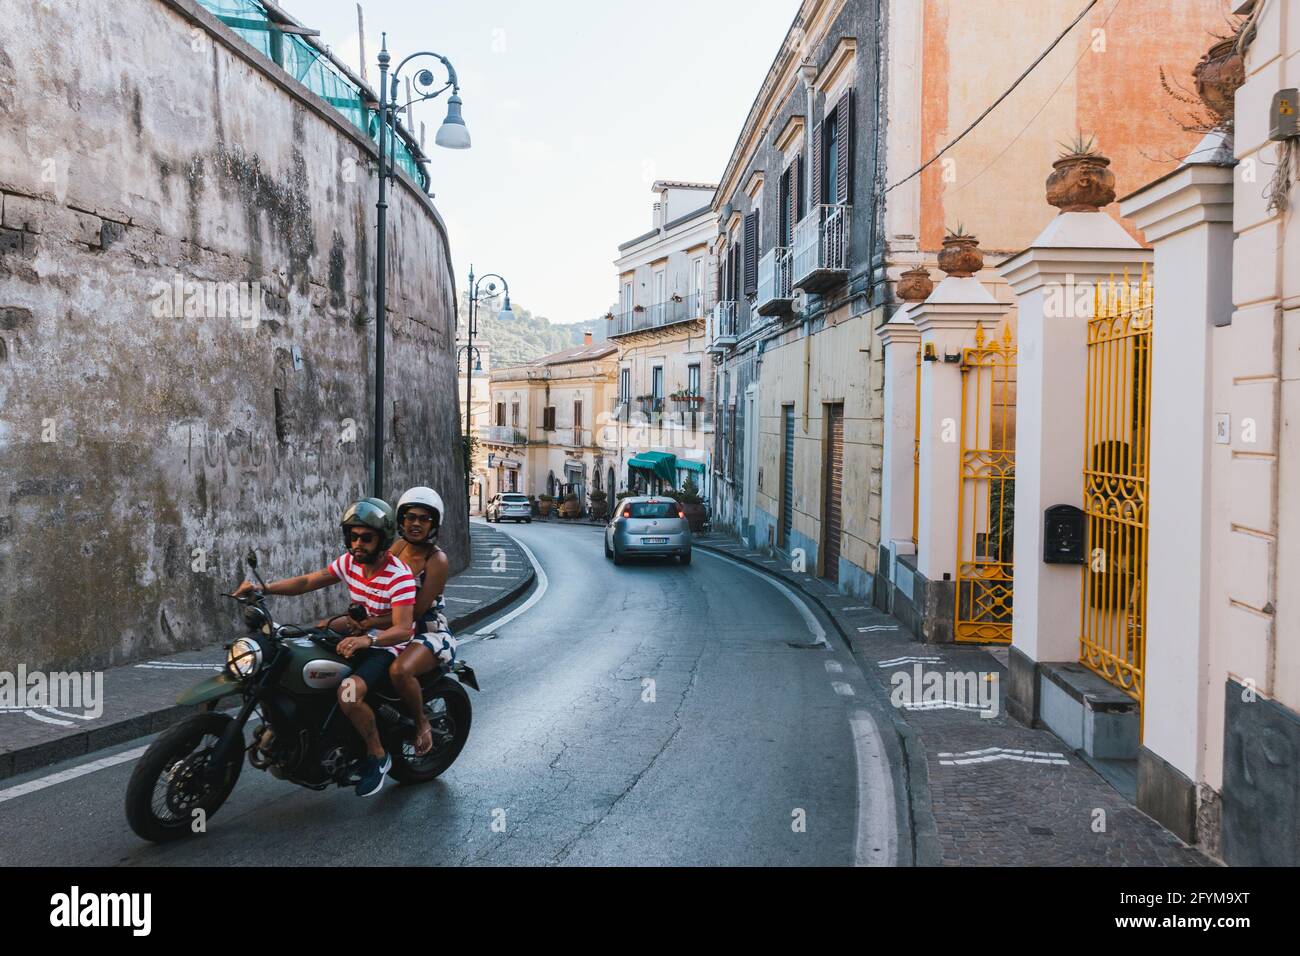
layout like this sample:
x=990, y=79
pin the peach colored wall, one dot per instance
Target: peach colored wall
x=974, y=49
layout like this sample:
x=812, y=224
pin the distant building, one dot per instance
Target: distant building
x=480, y=364
x=664, y=373
x=543, y=434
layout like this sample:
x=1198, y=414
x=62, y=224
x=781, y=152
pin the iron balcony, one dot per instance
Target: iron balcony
x=681, y=308
x=775, y=271
x=821, y=248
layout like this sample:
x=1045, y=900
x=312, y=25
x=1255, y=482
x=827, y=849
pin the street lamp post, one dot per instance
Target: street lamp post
x=451, y=135
x=471, y=330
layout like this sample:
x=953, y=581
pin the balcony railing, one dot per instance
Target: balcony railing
x=774, y=286
x=571, y=437
x=724, y=325
x=821, y=248
x=680, y=309
x=506, y=435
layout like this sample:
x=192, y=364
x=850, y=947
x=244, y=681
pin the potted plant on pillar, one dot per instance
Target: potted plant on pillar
x=960, y=256
x=1218, y=76
x=1080, y=180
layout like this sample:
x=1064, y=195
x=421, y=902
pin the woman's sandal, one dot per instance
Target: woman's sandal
x=420, y=738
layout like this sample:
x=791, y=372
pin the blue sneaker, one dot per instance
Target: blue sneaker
x=373, y=770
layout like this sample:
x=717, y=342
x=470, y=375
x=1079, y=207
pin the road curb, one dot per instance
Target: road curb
x=101, y=737
x=923, y=828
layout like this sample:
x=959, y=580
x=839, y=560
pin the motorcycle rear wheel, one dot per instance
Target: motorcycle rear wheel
x=177, y=760
x=447, y=706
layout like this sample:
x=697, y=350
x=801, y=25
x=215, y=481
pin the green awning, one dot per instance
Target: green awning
x=690, y=465
x=661, y=463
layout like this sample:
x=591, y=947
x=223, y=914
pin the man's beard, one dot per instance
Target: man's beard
x=367, y=557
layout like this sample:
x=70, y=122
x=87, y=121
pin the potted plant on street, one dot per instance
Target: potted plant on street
x=599, y=505
x=570, y=507
x=691, y=502
x=544, y=503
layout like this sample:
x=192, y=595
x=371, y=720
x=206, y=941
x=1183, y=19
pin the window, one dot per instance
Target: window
x=832, y=176
x=660, y=286
x=653, y=509
x=548, y=419
x=697, y=283
x=577, y=414
x=501, y=413
x=657, y=385
x=693, y=379
x=626, y=301
x=514, y=414
x=625, y=386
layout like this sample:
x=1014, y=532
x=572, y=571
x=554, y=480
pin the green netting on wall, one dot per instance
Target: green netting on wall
x=309, y=67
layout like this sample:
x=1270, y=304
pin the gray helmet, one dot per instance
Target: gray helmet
x=374, y=513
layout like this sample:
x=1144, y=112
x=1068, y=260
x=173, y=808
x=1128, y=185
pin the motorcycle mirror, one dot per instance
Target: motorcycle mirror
x=251, y=558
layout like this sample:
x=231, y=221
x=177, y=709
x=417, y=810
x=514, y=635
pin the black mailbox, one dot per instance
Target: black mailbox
x=1063, y=535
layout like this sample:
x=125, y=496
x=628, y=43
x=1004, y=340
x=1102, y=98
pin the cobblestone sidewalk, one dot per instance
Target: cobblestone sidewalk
x=139, y=698
x=990, y=790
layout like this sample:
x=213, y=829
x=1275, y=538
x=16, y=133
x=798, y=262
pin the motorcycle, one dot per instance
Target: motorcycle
x=287, y=676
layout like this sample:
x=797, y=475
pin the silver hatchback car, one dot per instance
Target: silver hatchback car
x=648, y=526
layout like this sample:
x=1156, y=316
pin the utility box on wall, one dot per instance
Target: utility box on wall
x=1063, y=535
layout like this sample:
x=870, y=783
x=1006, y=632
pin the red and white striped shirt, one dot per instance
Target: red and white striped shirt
x=392, y=586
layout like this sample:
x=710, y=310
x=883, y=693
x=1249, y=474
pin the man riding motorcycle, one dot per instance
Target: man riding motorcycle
x=385, y=587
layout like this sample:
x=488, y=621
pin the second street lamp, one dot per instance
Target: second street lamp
x=451, y=135
x=471, y=329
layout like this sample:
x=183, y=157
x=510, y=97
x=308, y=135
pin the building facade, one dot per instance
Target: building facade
x=477, y=365
x=797, y=384
x=663, y=403
x=544, y=434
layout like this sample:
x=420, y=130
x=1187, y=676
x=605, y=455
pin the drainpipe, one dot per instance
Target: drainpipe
x=808, y=72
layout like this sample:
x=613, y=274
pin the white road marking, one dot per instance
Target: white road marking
x=48, y=720
x=482, y=587
x=876, y=839
x=103, y=763
x=993, y=754
x=542, y=584
x=877, y=627
x=814, y=626
x=834, y=667
x=841, y=688
x=856, y=607
x=910, y=660
x=178, y=666
x=940, y=705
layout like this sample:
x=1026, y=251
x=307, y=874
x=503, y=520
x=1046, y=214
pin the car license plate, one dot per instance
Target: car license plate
x=654, y=540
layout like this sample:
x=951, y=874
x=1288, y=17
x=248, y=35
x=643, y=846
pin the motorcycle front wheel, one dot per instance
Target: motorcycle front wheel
x=168, y=786
x=447, y=706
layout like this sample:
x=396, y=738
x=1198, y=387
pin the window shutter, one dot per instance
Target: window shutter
x=751, y=253
x=818, y=193
x=844, y=119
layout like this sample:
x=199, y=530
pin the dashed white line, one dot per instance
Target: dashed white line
x=834, y=667
x=841, y=688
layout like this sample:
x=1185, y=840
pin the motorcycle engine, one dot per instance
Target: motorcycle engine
x=270, y=752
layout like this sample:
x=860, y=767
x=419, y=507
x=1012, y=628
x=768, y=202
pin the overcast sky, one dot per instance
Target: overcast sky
x=575, y=107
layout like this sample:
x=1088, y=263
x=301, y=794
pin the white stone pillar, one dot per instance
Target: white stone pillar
x=1187, y=217
x=946, y=321
x=900, y=339
x=1053, y=281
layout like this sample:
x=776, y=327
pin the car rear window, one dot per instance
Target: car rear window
x=654, y=509
x=514, y=499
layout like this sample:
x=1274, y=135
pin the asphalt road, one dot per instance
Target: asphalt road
x=642, y=715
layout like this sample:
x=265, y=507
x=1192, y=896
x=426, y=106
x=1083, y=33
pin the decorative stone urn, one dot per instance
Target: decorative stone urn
x=1081, y=182
x=915, y=285
x=961, y=256
x=1218, y=76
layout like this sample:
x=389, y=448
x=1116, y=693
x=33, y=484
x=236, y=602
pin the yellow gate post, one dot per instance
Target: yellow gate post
x=986, y=491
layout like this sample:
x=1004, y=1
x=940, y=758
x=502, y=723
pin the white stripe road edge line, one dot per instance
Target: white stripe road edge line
x=102, y=763
x=48, y=720
x=542, y=584
x=814, y=626
x=876, y=838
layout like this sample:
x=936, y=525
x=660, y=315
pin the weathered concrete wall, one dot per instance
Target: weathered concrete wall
x=145, y=444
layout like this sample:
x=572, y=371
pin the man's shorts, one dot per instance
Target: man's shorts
x=371, y=665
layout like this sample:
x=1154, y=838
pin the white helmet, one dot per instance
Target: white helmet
x=427, y=498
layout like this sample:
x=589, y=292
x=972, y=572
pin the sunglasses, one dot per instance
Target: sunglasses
x=364, y=537
x=417, y=519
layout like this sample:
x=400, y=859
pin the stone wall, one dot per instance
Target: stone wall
x=186, y=331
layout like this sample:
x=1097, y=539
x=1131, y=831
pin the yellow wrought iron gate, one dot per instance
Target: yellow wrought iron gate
x=1117, y=443
x=986, y=490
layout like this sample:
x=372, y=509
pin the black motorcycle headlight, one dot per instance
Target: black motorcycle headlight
x=244, y=657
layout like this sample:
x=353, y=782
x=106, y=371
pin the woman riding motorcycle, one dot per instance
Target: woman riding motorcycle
x=419, y=515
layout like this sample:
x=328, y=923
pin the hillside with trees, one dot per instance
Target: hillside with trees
x=528, y=336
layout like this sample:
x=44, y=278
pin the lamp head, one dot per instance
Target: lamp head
x=452, y=134
x=505, y=315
